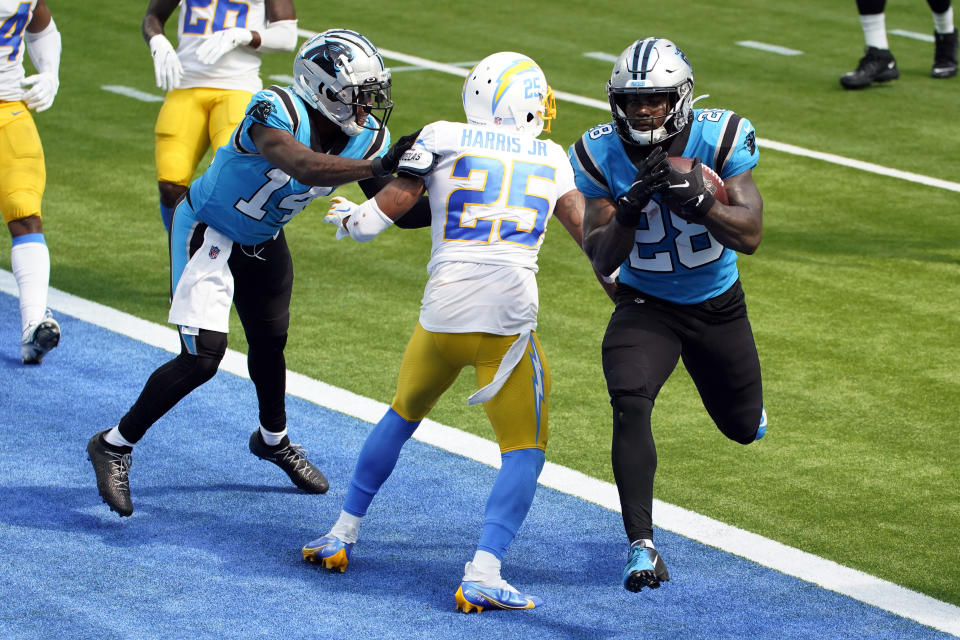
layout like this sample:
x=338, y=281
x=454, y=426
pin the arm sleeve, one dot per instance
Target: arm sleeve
x=44, y=48
x=278, y=36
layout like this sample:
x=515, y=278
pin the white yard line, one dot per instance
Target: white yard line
x=129, y=92
x=769, y=48
x=926, y=37
x=769, y=553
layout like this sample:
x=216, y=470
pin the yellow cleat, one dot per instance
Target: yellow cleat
x=330, y=552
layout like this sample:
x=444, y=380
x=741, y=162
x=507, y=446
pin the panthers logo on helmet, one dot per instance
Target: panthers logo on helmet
x=328, y=54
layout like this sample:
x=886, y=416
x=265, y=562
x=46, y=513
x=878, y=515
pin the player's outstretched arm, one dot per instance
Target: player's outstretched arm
x=363, y=222
x=606, y=240
x=303, y=164
x=570, y=212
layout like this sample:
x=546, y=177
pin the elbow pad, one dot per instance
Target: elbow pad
x=279, y=36
x=44, y=48
x=367, y=221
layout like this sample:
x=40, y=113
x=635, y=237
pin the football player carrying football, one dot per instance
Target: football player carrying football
x=209, y=78
x=27, y=24
x=227, y=243
x=492, y=187
x=678, y=289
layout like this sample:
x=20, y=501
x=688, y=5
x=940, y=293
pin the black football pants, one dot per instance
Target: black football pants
x=263, y=283
x=645, y=339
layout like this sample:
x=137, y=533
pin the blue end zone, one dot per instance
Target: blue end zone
x=213, y=548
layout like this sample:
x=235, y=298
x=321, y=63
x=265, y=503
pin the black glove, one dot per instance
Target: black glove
x=651, y=177
x=388, y=162
x=686, y=195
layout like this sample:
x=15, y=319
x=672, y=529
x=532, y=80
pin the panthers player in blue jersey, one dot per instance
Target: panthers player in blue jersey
x=227, y=243
x=678, y=289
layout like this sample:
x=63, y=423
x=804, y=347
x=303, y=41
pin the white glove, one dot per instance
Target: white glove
x=340, y=210
x=221, y=42
x=43, y=89
x=166, y=65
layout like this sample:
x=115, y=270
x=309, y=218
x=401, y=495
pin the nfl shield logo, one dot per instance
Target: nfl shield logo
x=214, y=252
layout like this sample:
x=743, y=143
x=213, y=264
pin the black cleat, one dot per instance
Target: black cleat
x=112, y=469
x=877, y=65
x=290, y=458
x=944, y=55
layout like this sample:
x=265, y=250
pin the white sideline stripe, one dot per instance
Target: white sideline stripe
x=132, y=93
x=771, y=48
x=926, y=37
x=769, y=553
x=600, y=55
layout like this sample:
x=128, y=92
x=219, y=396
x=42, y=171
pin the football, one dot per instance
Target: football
x=711, y=180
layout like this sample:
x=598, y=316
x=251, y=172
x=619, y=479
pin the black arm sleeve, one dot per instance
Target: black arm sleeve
x=416, y=218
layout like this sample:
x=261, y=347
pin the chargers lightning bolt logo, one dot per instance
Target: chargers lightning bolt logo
x=538, y=393
x=506, y=79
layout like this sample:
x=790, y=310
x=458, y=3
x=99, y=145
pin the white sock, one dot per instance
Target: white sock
x=875, y=30
x=113, y=437
x=30, y=262
x=484, y=569
x=347, y=527
x=272, y=438
x=943, y=22
x=643, y=542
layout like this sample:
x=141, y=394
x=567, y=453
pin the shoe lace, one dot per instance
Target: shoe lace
x=294, y=456
x=120, y=468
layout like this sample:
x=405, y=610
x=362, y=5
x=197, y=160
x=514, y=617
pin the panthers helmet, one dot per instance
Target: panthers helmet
x=651, y=66
x=509, y=89
x=341, y=74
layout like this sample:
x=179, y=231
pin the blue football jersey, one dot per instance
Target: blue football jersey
x=671, y=259
x=248, y=199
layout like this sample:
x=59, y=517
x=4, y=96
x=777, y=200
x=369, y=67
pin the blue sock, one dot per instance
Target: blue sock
x=166, y=216
x=377, y=459
x=510, y=499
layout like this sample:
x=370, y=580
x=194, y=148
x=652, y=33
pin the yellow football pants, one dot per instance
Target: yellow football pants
x=519, y=411
x=23, y=175
x=191, y=121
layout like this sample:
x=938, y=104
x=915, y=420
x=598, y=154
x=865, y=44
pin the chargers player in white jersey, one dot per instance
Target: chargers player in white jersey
x=678, y=290
x=26, y=25
x=227, y=244
x=492, y=186
x=209, y=78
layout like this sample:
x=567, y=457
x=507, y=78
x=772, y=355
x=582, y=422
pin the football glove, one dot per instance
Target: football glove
x=340, y=210
x=387, y=163
x=686, y=195
x=651, y=178
x=41, y=92
x=167, y=69
x=214, y=46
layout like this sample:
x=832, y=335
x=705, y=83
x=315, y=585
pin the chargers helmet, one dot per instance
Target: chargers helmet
x=341, y=74
x=509, y=89
x=651, y=66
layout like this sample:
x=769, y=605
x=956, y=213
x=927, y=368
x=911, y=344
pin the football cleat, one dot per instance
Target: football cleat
x=332, y=553
x=113, y=475
x=473, y=596
x=38, y=339
x=290, y=458
x=762, y=429
x=644, y=568
x=877, y=65
x=944, y=55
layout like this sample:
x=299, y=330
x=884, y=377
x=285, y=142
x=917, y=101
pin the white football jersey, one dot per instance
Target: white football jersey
x=237, y=69
x=15, y=15
x=492, y=192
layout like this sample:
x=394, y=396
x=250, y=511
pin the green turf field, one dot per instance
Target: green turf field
x=852, y=294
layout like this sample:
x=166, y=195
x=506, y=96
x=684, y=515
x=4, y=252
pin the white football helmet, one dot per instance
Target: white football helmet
x=341, y=74
x=509, y=89
x=651, y=66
